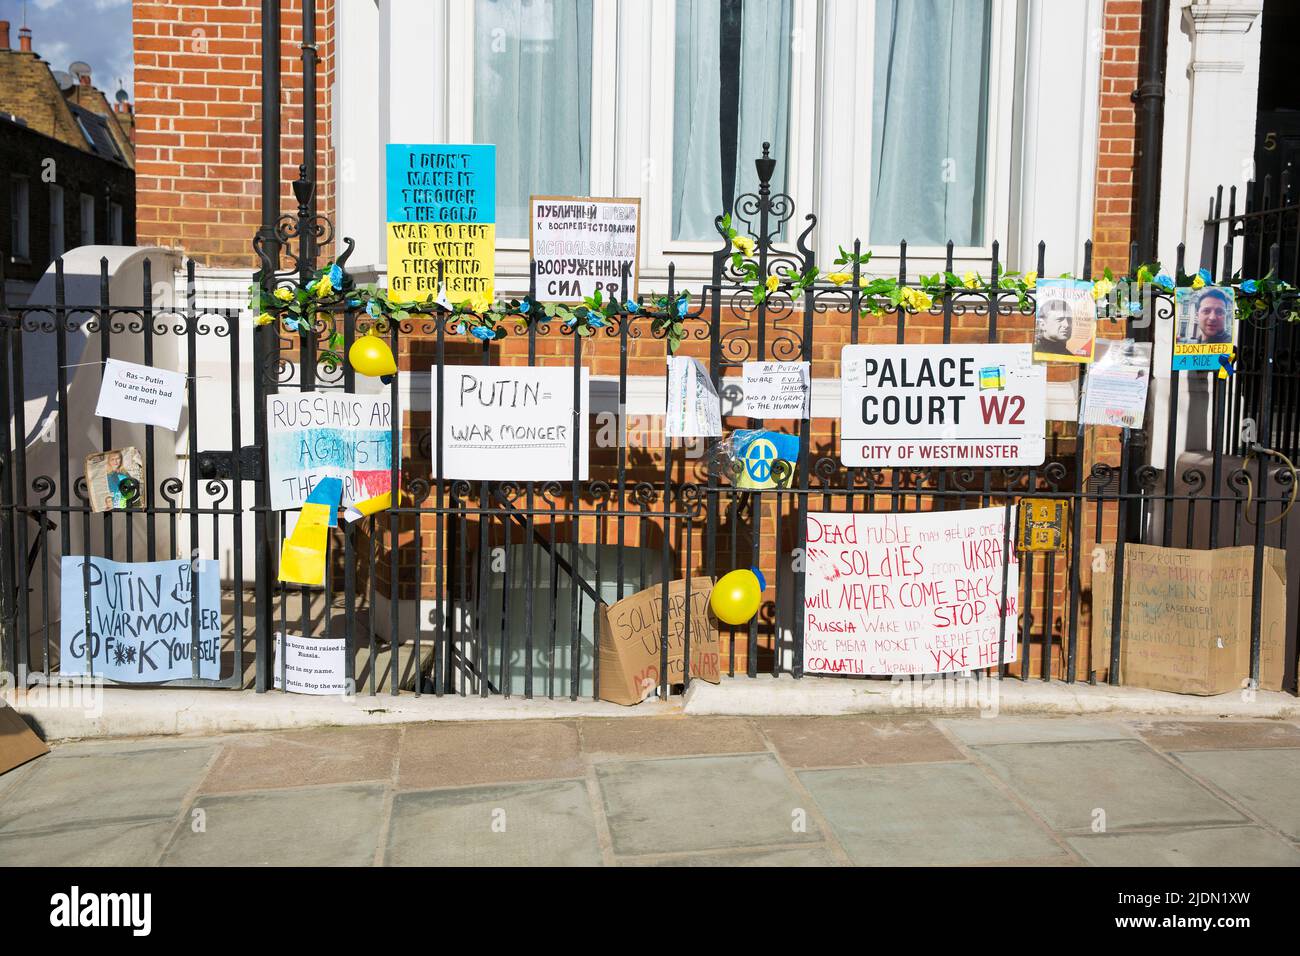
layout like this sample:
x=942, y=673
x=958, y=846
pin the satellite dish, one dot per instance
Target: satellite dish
x=65, y=79
x=79, y=69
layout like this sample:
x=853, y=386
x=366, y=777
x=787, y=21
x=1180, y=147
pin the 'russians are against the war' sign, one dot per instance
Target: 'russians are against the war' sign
x=942, y=405
x=913, y=593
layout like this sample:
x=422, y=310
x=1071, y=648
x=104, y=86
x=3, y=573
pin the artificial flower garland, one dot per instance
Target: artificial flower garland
x=485, y=319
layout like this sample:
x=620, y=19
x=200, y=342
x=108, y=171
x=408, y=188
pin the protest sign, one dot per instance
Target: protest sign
x=315, y=435
x=512, y=424
x=1186, y=619
x=312, y=665
x=910, y=593
x=1115, y=390
x=693, y=410
x=441, y=203
x=941, y=405
x=1065, y=321
x=141, y=627
x=582, y=245
x=1207, y=327
x=140, y=394
x=777, y=389
x=759, y=450
x=631, y=638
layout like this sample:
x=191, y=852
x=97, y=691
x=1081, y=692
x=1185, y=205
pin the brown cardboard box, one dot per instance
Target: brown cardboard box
x=1186, y=623
x=17, y=742
x=630, y=634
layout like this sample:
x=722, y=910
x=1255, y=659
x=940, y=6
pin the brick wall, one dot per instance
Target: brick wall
x=198, y=115
x=1113, y=225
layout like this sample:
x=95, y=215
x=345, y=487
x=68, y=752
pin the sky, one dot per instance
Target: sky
x=96, y=31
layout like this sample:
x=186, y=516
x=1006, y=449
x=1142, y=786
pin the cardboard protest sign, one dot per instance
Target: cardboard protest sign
x=315, y=435
x=1186, y=618
x=18, y=744
x=908, y=593
x=1065, y=321
x=140, y=394
x=581, y=246
x=441, y=203
x=777, y=389
x=512, y=424
x=942, y=405
x=312, y=665
x=141, y=627
x=631, y=635
x=1207, y=327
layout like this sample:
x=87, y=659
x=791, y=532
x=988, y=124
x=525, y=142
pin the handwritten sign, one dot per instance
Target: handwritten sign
x=441, y=204
x=141, y=619
x=582, y=245
x=312, y=666
x=913, y=593
x=1207, y=327
x=140, y=394
x=512, y=424
x=315, y=435
x=631, y=638
x=777, y=389
x=942, y=405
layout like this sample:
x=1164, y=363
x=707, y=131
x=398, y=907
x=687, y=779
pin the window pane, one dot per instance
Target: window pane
x=731, y=95
x=929, y=121
x=532, y=98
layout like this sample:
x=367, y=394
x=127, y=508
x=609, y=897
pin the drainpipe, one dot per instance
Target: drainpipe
x=1149, y=106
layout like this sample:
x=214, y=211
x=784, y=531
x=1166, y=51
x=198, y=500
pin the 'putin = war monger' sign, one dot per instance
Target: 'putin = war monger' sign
x=913, y=593
x=942, y=405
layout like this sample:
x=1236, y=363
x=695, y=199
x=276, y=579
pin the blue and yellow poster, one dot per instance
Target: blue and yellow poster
x=760, y=449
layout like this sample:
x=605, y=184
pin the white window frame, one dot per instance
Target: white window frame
x=20, y=218
x=828, y=169
x=58, y=222
x=87, y=221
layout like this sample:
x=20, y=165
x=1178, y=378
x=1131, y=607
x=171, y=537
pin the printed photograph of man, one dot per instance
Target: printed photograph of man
x=1206, y=327
x=1065, y=321
x=1214, y=308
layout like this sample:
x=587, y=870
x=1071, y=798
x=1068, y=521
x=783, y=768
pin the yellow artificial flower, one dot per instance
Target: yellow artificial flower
x=916, y=299
x=283, y=294
x=743, y=244
x=324, y=287
x=266, y=318
x=1031, y=280
x=773, y=283
x=479, y=303
x=1198, y=283
x=839, y=278
x=1102, y=288
x=970, y=279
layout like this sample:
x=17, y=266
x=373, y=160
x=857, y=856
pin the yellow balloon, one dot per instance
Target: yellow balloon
x=370, y=355
x=736, y=596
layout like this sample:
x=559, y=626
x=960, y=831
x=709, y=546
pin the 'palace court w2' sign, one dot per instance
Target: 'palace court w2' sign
x=941, y=405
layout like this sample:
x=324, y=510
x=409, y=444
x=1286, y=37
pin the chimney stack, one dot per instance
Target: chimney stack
x=4, y=34
x=85, y=79
x=25, y=39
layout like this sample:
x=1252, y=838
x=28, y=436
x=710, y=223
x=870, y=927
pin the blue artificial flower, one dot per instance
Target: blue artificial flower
x=483, y=332
x=373, y=308
x=1250, y=287
x=595, y=320
x=681, y=307
x=353, y=303
x=336, y=275
x=293, y=323
x=1134, y=308
x=311, y=286
x=525, y=306
x=571, y=321
x=1165, y=281
x=631, y=306
x=1205, y=276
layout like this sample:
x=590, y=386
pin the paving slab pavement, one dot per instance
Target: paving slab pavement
x=672, y=791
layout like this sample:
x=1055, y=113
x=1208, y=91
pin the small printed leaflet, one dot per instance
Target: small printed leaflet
x=142, y=616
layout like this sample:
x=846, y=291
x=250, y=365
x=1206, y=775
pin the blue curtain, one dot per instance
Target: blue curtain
x=929, y=121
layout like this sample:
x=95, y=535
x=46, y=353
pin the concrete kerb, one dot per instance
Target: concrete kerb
x=126, y=712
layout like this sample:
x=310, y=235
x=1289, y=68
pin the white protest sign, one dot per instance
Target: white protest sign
x=315, y=435
x=693, y=409
x=140, y=394
x=581, y=246
x=777, y=389
x=1115, y=391
x=910, y=593
x=312, y=666
x=942, y=405
x=512, y=424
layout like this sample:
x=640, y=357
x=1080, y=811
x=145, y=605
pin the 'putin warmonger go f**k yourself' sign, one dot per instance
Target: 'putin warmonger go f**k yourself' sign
x=942, y=405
